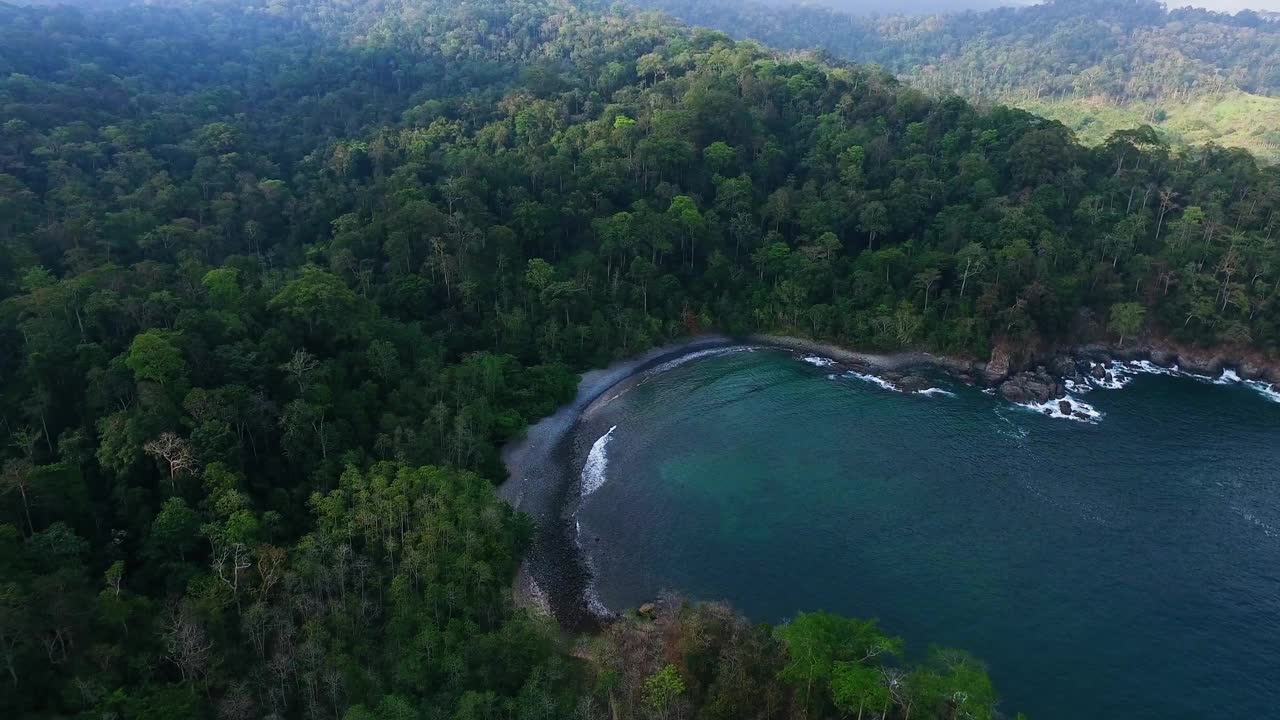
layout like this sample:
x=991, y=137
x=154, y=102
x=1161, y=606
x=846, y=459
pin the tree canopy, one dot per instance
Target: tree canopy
x=278, y=280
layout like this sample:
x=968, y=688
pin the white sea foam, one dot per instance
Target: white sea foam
x=1228, y=377
x=935, y=391
x=818, y=360
x=593, y=472
x=1075, y=387
x=1266, y=390
x=1146, y=367
x=1080, y=411
x=698, y=355
x=1115, y=380
x=590, y=593
x=1256, y=521
x=874, y=380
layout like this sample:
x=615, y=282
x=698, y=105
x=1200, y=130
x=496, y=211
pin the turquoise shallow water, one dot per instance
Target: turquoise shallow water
x=1124, y=569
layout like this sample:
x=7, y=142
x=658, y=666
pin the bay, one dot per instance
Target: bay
x=1125, y=568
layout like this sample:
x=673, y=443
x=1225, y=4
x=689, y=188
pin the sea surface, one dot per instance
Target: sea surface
x=1125, y=565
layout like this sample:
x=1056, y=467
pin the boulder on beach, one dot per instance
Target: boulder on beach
x=1163, y=359
x=647, y=610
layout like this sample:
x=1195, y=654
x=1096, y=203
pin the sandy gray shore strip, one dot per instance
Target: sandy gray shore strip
x=892, y=362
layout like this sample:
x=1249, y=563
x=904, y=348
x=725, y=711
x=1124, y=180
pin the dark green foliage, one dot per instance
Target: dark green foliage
x=1121, y=49
x=278, y=281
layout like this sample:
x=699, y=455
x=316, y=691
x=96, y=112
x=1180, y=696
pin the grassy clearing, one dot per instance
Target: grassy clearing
x=1236, y=119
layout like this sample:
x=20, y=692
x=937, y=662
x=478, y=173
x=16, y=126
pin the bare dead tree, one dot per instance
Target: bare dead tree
x=301, y=367
x=176, y=452
x=186, y=643
x=237, y=703
x=271, y=567
x=232, y=560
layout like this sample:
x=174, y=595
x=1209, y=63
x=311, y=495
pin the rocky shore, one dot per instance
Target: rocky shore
x=1047, y=376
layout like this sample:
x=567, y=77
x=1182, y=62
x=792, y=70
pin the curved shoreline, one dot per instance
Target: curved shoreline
x=555, y=577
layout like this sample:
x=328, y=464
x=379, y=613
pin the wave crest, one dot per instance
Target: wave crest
x=1080, y=411
x=593, y=472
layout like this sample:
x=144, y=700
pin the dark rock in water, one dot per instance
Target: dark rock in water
x=1110, y=377
x=1029, y=387
x=913, y=383
x=1163, y=359
x=647, y=610
x=1082, y=415
x=1014, y=393
x=1064, y=407
x=1098, y=371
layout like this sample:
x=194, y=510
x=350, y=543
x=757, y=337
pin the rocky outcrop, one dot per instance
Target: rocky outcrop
x=913, y=383
x=1250, y=370
x=1249, y=363
x=1201, y=363
x=997, y=368
x=1063, y=366
x=1030, y=387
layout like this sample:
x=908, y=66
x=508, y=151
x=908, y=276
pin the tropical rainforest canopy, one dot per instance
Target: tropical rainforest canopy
x=278, y=279
x=1097, y=65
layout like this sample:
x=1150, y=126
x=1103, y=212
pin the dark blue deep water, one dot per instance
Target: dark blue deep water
x=1124, y=569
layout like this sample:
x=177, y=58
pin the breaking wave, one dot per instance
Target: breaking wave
x=690, y=357
x=874, y=380
x=1080, y=411
x=931, y=392
x=1122, y=373
x=593, y=472
x=818, y=360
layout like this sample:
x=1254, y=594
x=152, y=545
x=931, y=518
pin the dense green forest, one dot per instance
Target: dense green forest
x=278, y=279
x=1096, y=65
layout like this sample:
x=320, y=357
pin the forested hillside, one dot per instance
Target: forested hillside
x=1096, y=65
x=277, y=281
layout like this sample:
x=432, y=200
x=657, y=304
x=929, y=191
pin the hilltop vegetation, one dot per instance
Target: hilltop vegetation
x=278, y=280
x=1096, y=65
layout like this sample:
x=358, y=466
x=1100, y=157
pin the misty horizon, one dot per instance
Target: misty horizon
x=915, y=7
